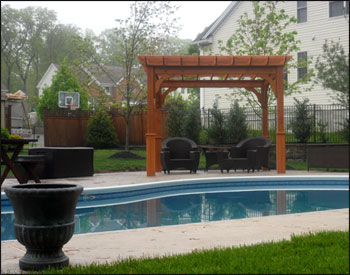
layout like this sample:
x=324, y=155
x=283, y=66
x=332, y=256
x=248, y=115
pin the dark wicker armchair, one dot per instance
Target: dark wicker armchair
x=251, y=153
x=179, y=152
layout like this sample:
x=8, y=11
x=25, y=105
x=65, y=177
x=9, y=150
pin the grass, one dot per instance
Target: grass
x=103, y=164
x=313, y=253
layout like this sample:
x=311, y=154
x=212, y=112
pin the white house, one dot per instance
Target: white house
x=318, y=21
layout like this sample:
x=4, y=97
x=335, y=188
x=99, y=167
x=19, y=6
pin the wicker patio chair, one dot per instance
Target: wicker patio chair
x=179, y=153
x=251, y=153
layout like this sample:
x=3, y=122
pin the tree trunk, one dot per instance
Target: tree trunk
x=127, y=130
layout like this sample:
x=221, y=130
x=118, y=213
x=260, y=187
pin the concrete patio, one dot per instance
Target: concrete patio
x=167, y=240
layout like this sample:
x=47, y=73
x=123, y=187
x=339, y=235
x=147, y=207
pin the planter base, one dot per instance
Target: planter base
x=43, y=259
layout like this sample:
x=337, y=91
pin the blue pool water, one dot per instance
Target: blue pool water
x=193, y=201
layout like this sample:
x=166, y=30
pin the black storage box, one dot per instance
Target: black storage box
x=65, y=162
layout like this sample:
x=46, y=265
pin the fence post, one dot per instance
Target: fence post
x=208, y=118
x=315, y=123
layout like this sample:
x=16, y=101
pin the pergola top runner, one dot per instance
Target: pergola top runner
x=167, y=73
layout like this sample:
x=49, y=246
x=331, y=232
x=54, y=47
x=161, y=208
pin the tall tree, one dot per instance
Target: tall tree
x=33, y=23
x=266, y=33
x=333, y=71
x=145, y=31
x=10, y=45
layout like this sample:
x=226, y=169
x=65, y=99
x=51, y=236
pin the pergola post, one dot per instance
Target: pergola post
x=151, y=135
x=265, y=112
x=280, y=134
x=158, y=144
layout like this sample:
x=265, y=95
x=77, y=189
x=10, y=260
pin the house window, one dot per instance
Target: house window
x=285, y=78
x=302, y=68
x=108, y=90
x=302, y=11
x=336, y=8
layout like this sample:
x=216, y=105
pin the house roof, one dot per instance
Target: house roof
x=204, y=37
x=106, y=75
x=52, y=66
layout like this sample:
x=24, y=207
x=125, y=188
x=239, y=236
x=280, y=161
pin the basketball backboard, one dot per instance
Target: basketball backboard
x=68, y=99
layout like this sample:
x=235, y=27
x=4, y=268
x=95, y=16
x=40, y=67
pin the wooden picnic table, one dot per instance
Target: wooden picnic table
x=10, y=162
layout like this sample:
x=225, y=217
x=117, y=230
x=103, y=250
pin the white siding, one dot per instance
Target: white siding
x=46, y=81
x=312, y=34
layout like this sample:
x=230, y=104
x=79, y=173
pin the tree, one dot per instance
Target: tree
x=145, y=31
x=333, y=71
x=176, y=116
x=265, y=34
x=216, y=130
x=236, y=125
x=101, y=132
x=301, y=124
x=64, y=80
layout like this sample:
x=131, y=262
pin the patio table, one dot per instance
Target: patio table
x=10, y=162
x=211, y=154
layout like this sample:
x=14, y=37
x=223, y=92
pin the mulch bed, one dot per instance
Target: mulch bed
x=125, y=155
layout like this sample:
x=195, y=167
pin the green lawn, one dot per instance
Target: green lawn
x=320, y=253
x=103, y=164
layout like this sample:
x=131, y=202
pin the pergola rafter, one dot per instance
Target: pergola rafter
x=167, y=73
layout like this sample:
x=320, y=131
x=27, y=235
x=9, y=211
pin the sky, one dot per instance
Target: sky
x=194, y=16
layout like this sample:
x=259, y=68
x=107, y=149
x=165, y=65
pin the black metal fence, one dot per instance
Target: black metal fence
x=331, y=116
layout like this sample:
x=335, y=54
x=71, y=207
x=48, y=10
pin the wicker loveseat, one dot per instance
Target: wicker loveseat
x=251, y=153
x=179, y=153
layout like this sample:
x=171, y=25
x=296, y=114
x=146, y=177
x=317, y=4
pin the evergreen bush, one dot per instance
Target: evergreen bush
x=301, y=124
x=101, y=132
x=203, y=137
x=192, y=123
x=236, y=124
x=176, y=118
x=216, y=130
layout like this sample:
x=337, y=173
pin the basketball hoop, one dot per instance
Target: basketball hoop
x=72, y=106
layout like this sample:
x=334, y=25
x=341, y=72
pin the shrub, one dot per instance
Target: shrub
x=321, y=127
x=345, y=132
x=203, y=137
x=176, y=118
x=236, y=125
x=5, y=133
x=101, y=131
x=192, y=123
x=301, y=125
x=216, y=130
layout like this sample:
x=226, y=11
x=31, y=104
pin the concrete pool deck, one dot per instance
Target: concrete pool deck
x=167, y=240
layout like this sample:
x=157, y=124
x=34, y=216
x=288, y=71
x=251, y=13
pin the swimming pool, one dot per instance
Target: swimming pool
x=197, y=200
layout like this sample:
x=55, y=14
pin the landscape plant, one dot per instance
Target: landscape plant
x=192, y=122
x=236, y=124
x=101, y=132
x=216, y=129
x=301, y=124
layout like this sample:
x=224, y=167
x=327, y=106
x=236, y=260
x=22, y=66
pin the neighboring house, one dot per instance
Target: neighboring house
x=318, y=21
x=4, y=90
x=105, y=78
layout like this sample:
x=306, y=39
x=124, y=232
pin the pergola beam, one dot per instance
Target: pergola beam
x=212, y=83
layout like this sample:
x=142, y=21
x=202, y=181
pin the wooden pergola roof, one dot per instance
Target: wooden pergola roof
x=254, y=73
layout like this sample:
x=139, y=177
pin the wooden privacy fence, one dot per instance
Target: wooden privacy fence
x=66, y=128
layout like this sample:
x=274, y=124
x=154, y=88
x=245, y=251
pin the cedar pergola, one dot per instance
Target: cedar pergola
x=166, y=73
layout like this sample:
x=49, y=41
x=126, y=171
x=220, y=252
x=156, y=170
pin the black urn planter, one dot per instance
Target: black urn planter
x=44, y=221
